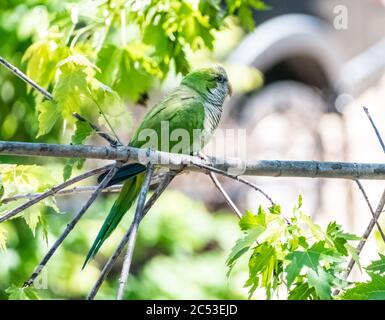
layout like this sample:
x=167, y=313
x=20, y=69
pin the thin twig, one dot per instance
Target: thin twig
x=113, y=142
x=65, y=192
x=238, y=178
x=72, y=224
x=26, y=79
x=77, y=190
x=371, y=209
x=107, y=121
x=134, y=231
x=53, y=191
x=225, y=195
x=375, y=128
x=107, y=267
x=222, y=190
x=367, y=233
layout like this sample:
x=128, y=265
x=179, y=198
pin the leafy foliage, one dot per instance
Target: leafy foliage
x=292, y=253
x=145, y=39
x=25, y=179
x=16, y=293
x=377, y=266
x=373, y=289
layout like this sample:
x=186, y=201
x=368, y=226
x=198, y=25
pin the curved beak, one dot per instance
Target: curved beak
x=230, y=89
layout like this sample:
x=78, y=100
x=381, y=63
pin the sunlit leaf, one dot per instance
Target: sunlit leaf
x=377, y=266
x=48, y=115
x=17, y=293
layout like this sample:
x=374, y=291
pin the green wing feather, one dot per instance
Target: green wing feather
x=182, y=109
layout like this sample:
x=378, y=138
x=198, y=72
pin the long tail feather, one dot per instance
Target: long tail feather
x=125, y=172
x=127, y=197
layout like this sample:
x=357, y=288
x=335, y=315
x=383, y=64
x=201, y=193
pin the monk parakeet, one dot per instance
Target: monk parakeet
x=190, y=114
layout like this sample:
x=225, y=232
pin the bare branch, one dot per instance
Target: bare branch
x=375, y=128
x=134, y=230
x=272, y=168
x=72, y=224
x=26, y=79
x=52, y=191
x=107, y=267
x=376, y=214
x=367, y=233
x=371, y=209
x=78, y=189
x=65, y=192
x=225, y=195
x=107, y=121
x=238, y=178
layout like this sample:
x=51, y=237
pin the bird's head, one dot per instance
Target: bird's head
x=209, y=82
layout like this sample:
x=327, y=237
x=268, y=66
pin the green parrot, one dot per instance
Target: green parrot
x=183, y=122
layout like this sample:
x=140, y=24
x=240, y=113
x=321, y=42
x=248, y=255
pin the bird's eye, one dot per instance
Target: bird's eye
x=221, y=79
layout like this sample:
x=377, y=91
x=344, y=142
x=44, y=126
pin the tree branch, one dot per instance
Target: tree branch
x=272, y=168
x=65, y=192
x=371, y=209
x=72, y=224
x=376, y=131
x=376, y=214
x=26, y=79
x=238, y=178
x=134, y=231
x=225, y=195
x=107, y=267
x=367, y=233
x=52, y=191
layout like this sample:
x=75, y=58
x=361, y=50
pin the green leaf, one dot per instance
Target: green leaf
x=334, y=230
x=132, y=72
x=299, y=203
x=242, y=245
x=22, y=179
x=32, y=217
x=301, y=291
x=246, y=17
x=48, y=115
x=314, y=228
x=275, y=209
x=82, y=131
x=321, y=281
x=377, y=266
x=262, y=262
x=16, y=293
x=299, y=259
x=70, y=90
x=354, y=254
x=371, y=290
x=43, y=57
x=69, y=166
x=250, y=221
